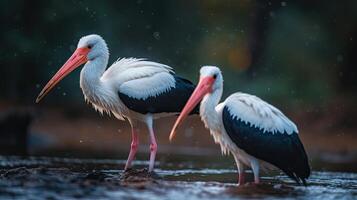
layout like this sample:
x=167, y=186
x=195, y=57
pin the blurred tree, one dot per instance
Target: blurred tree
x=300, y=50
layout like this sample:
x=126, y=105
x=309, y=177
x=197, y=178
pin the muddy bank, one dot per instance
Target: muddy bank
x=55, y=134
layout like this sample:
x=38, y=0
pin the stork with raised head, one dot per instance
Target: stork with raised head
x=256, y=133
x=132, y=89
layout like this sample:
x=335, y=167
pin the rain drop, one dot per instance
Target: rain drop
x=156, y=35
x=272, y=14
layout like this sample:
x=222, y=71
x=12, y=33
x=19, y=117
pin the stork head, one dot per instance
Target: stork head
x=89, y=48
x=211, y=80
x=96, y=45
x=214, y=74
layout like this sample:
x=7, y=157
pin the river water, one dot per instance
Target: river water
x=64, y=178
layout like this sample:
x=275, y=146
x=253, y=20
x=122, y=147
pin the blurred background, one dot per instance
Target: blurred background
x=297, y=55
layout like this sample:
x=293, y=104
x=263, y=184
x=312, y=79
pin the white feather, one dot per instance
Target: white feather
x=126, y=69
x=139, y=78
x=150, y=86
x=258, y=113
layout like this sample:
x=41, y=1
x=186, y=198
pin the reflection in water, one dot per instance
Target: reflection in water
x=58, y=178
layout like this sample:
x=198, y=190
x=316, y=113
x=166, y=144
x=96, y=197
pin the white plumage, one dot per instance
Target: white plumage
x=255, y=132
x=150, y=86
x=133, y=89
x=137, y=78
x=127, y=69
x=260, y=114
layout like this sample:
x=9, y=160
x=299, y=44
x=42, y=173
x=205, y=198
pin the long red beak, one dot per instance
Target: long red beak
x=203, y=87
x=78, y=58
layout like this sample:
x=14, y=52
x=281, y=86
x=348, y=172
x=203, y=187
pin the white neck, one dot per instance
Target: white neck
x=90, y=75
x=208, y=111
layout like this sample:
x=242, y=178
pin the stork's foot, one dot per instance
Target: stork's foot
x=138, y=175
x=128, y=169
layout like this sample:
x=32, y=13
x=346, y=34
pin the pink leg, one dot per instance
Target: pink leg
x=153, y=145
x=255, y=167
x=153, y=150
x=133, y=147
x=241, y=179
x=256, y=180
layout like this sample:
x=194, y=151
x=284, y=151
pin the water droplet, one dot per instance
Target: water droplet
x=156, y=35
x=272, y=14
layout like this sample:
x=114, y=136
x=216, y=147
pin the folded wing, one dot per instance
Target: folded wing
x=266, y=133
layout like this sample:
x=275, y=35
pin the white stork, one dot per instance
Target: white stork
x=132, y=89
x=255, y=132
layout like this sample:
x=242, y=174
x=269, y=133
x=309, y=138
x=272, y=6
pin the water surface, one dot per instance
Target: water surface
x=59, y=178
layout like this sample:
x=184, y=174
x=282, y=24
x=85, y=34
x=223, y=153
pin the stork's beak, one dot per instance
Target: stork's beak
x=78, y=58
x=203, y=87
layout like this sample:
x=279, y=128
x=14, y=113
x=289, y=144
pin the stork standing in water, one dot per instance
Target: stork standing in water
x=132, y=89
x=255, y=132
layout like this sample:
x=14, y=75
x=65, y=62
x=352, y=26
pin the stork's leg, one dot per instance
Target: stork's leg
x=153, y=144
x=241, y=175
x=255, y=167
x=134, y=145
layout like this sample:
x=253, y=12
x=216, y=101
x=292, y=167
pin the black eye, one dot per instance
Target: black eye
x=89, y=46
x=215, y=76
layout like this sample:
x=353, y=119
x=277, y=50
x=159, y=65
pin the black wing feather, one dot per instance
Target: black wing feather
x=171, y=101
x=280, y=149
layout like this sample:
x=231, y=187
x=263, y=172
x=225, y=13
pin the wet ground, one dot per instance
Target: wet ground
x=64, y=178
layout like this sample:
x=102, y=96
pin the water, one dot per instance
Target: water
x=63, y=178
